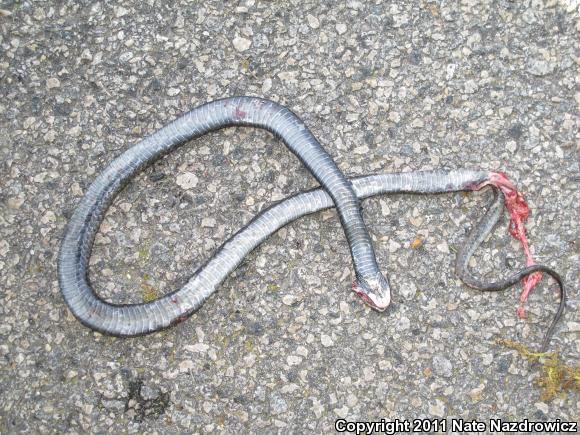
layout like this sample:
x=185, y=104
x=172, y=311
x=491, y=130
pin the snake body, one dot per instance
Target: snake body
x=337, y=191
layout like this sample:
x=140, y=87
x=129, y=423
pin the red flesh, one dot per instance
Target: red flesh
x=239, y=113
x=518, y=210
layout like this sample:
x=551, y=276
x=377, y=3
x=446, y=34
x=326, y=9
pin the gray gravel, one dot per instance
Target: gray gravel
x=283, y=345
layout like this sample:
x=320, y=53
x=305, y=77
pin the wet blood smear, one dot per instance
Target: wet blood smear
x=518, y=210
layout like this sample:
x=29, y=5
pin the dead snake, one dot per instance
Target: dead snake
x=337, y=191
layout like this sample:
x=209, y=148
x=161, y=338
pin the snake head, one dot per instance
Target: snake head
x=375, y=292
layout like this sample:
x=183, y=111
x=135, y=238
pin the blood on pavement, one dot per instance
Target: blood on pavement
x=518, y=210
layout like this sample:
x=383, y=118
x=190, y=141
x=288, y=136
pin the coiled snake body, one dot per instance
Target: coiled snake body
x=370, y=284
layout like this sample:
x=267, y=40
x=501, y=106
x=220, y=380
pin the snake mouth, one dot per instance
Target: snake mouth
x=375, y=301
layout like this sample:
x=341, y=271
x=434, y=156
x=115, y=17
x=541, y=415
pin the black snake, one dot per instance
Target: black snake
x=337, y=191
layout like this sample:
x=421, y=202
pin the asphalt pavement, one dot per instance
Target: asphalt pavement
x=284, y=345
